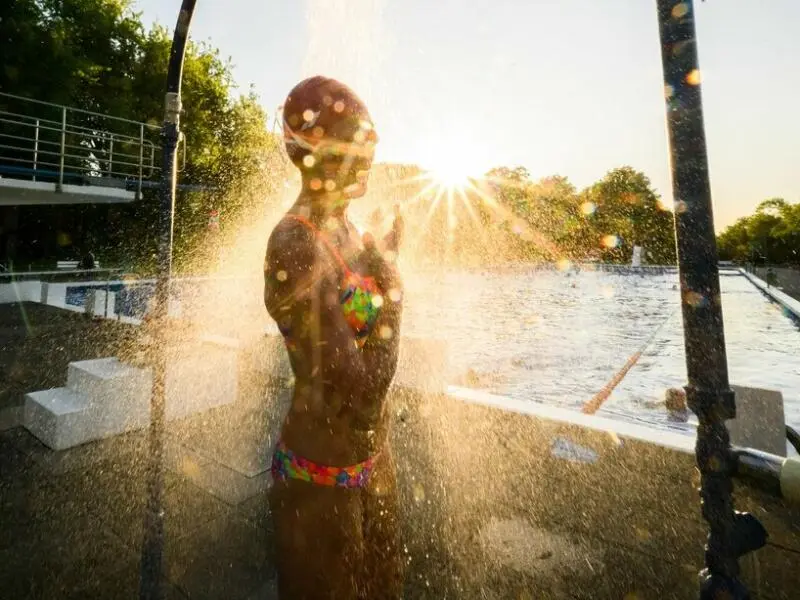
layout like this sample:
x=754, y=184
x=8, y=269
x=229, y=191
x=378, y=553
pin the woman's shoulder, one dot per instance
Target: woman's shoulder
x=290, y=233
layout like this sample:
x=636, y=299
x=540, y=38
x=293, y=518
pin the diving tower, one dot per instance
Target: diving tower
x=58, y=155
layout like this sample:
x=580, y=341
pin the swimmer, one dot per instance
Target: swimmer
x=675, y=403
x=337, y=300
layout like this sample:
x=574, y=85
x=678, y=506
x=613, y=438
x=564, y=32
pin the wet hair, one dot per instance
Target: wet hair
x=325, y=120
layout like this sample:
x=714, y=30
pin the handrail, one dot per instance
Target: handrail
x=35, y=274
x=80, y=147
x=76, y=110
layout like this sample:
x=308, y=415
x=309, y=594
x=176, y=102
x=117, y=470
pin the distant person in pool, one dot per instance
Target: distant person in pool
x=337, y=300
x=772, y=279
x=675, y=403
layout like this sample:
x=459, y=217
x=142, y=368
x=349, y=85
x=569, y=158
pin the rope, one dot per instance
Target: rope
x=593, y=405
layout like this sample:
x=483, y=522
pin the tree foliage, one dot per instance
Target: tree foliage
x=508, y=217
x=97, y=55
x=770, y=235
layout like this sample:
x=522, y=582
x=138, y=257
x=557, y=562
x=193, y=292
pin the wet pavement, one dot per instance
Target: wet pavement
x=494, y=505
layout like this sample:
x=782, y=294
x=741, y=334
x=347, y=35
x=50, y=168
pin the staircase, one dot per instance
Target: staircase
x=106, y=397
x=103, y=397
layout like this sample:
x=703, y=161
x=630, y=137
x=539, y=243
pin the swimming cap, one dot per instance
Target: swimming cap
x=324, y=116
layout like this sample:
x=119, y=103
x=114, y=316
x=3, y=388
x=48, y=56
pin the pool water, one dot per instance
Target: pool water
x=558, y=338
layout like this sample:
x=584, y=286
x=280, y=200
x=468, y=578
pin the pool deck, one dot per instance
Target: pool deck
x=568, y=512
x=789, y=304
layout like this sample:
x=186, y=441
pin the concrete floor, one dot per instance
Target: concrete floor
x=489, y=510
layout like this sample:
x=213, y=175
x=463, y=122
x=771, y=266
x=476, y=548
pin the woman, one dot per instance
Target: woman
x=338, y=304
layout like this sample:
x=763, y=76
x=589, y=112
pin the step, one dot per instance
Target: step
x=63, y=418
x=201, y=378
x=57, y=417
x=105, y=378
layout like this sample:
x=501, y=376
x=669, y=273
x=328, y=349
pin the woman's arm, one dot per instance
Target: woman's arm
x=381, y=350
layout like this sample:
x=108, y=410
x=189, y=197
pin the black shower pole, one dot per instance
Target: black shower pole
x=153, y=543
x=708, y=391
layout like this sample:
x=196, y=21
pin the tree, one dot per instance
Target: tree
x=624, y=211
x=98, y=56
x=770, y=235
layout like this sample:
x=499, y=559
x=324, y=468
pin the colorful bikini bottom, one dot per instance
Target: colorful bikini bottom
x=287, y=465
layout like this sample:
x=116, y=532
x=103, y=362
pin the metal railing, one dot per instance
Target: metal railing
x=41, y=141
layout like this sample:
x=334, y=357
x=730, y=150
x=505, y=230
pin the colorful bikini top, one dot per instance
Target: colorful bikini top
x=357, y=292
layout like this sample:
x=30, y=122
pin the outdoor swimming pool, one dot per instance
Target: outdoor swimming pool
x=557, y=338
x=547, y=336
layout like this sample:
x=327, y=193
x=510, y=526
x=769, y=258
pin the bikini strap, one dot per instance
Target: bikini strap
x=321, y=235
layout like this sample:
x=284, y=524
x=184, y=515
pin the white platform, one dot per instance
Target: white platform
x=106, y=397
x=21, y=192
x=789, y=303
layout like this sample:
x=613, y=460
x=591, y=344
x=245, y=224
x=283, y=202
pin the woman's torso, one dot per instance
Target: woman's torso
x=318, y=425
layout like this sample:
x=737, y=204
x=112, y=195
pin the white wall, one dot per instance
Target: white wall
x=20, y=291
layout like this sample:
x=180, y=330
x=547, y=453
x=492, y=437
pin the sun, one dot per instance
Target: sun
x=451, y=173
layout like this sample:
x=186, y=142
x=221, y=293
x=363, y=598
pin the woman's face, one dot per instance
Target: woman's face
x=348, y=174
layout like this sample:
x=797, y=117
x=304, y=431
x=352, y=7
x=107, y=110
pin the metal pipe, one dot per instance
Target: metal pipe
x=708, y=390
x=141, y=160
x=152, y=548
x=35, y=149
x=108, y=289
x=60, y=185
x=75, y=110
x=111, y=154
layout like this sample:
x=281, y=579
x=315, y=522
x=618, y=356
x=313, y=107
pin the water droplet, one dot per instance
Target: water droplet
x=338, y=106
x=680, y=10
x=694, y=299
x=316, y=184
x=308, y=115
x=419, y=492
x=563, y=264
x=395, y=295
x=377, y=301
x=281, y=275
x=385, y=332
x=330, y=185
x=610, y=241
x=309, y=161
x=588, y=208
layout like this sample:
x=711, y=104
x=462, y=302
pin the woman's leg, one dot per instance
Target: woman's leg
x=319, y=540
x=383, y=559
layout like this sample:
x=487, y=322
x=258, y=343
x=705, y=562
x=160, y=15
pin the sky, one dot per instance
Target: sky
x=569, y=87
